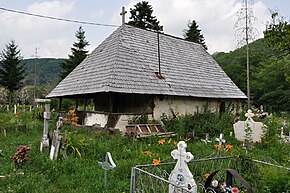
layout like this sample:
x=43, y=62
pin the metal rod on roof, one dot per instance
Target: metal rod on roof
x=158, y=53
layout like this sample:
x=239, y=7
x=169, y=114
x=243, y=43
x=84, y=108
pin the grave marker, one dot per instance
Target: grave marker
x=221, y=141
x=206, y=140
x=181, y=175
x=256, y=127
x=108, y=164
x=56, y=140
x=46, y=117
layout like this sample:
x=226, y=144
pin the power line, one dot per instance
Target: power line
x=59, y=19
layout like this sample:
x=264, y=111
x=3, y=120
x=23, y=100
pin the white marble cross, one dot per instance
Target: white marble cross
x=221, y=141
x=181, y=176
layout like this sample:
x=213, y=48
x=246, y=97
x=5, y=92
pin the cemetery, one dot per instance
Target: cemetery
x=53, y=154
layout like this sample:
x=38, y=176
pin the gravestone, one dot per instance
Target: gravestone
x=181, y=176
x=256, y=127
x=46, y=117
x=108, y=164
x=56, y=140
x=221, y=141
x=206, y=140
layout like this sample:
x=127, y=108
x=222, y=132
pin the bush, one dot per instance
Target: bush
x=201, y=123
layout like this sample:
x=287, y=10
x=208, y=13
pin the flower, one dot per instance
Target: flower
x=216, y=146
x=161, y=141
x=206, y=175
x=235, y=190
x=169, y=141
x=147, y=152
x=65, y=119
x=156, y=161
x=74, y=123
x=229, y=146
x=174, y=142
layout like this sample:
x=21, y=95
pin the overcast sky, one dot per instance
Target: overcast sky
x=216, y=20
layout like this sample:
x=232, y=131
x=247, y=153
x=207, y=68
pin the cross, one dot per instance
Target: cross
x=221, y=141
x=249, y=115
x=206, y=140
x=123, y=15
x=181, y=176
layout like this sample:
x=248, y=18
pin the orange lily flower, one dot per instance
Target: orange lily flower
x=161, y=141
x=156, y=161
x=229, y=146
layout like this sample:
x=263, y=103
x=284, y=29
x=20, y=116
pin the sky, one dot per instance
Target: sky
x=54, y=39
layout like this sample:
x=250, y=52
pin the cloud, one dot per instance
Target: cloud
x=31, y=31
x=216, y=19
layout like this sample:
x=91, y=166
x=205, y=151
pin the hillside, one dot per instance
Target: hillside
x=47, y=70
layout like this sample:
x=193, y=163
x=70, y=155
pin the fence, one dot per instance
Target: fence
x=154, y=179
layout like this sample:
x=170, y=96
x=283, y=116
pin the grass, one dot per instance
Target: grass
x=82, y=173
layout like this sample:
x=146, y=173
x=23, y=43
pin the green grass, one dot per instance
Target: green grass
x=83, y=174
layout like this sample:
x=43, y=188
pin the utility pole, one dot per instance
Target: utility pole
x=244, y=32
x=35, y=75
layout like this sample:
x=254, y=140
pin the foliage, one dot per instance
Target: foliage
x=201, y=122
x=78, y=53
x=277, y=35
x=274, y=180
x=141, y=16
x=193, y=34
x=70, y=175
x=12, y=72
x=21, y=156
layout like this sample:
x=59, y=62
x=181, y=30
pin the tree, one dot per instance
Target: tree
x=142, y=17
x=193, y=34
x=79, y=53
x=277, y=35
x=12, y=72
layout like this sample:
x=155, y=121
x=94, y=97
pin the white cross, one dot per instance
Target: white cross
x=206, y=140
x=123, y=15
x=181, y=175
x=249, y=114
x=221, y=141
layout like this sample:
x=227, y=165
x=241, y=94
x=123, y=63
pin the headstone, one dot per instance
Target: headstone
x=46, y=117
x=206, y=140
x=108, y=164
x=15, y=109
x=221, y=141
x=181, y=176
x=56, y=140
x=256, y=127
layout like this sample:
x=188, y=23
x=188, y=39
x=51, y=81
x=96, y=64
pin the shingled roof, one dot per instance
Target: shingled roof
x=127, y=62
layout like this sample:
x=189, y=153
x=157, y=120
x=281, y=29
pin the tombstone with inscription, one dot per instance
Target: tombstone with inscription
x=56, y=140
x=181, y=176
x=240, y=128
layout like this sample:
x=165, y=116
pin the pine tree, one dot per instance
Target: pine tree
x=78, y=54
x=12, y=72
x=193, y=34
x=142, y=17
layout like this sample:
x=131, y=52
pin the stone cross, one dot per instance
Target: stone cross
x=108, y=164
x=123, y=15
x=56, y=140
x=46, y=117
x=221, y=141
x=249, y=115
x=181, y=178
